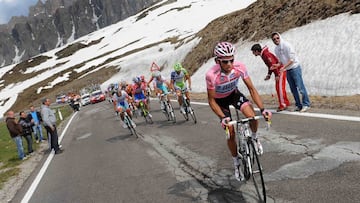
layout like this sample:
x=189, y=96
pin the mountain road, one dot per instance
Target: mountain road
x=306, y=159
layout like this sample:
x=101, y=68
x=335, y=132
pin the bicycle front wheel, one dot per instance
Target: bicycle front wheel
x=131, y=128
x=192, y=113
x=257, y=174
x=171, y=113
x=147, y=117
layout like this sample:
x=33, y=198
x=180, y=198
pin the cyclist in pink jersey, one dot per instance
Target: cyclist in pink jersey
x=222, y=81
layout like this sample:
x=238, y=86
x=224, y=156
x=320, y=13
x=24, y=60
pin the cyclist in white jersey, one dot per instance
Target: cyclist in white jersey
x=222, y=81
x=121, y=104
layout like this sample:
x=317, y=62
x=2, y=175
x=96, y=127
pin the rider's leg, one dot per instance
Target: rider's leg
x=249, y=112
x=128, y=111
x=178, y=93
x=231, y=142
x=187, y=93
x=120, y=110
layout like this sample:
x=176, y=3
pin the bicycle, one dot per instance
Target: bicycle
x=168, y=110
x=129, y=123
x=145, y=113
x=247, y=151
x=187, y=107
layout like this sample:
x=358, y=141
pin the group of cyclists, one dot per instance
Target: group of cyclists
x=222, y=89
x=127, y=96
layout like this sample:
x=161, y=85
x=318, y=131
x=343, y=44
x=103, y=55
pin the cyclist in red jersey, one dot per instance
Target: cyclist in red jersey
x=222, y=81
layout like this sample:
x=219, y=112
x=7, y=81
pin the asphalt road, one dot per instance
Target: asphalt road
x=306, y=160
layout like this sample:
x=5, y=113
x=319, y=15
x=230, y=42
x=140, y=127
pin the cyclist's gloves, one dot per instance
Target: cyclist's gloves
x=267, y=114
x=225, y=121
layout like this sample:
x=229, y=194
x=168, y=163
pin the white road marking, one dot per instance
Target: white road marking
x=306, y=114
x=42, y=171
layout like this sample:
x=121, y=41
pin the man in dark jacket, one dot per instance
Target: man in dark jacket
x=15, y=131
x=26, y=125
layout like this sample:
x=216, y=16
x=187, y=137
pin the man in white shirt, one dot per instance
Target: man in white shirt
x=288, y=59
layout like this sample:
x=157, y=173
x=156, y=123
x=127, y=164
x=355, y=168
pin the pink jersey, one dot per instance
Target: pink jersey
x=224, y=84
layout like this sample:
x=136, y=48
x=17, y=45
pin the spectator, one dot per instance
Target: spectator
x=280, y=76
x=15, y=131
x=288, y=59
x=49, y=122
x=36, y=128
x=26, y=125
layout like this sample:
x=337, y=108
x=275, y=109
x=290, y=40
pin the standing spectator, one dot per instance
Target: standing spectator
x=280, y=76
x=36, y=128
x=15, y=131
x=49, y=122
x=288, y=59
x=26, y=125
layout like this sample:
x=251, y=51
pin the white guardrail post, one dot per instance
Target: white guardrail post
x=60, y=115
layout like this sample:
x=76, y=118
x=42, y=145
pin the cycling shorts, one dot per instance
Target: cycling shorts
x=180, y=86
x=163, y=88
x=236, y=98
x=124, y=105
x=140, y=96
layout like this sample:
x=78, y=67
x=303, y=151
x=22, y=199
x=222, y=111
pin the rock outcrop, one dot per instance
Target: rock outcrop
x=57, y=22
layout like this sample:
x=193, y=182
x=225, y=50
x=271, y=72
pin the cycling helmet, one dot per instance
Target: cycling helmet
x=223, y=49
x=177, y=67
x=156, y=74
x=136, y=79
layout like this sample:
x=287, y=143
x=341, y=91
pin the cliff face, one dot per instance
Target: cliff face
x=57, y=22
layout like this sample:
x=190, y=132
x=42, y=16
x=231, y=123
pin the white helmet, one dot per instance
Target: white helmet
x=223, y=49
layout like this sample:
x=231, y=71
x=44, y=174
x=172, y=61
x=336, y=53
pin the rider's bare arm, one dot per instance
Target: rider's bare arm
x=188, y=78
x=213, y=105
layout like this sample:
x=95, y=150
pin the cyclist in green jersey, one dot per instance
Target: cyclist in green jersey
x=178, y=82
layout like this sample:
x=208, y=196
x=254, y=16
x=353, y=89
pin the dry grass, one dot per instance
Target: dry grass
x=351, y=103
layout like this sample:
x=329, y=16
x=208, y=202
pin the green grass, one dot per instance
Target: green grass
x=5, y=176
x=9, y=159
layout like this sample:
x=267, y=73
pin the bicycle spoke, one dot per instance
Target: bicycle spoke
x=257, y=174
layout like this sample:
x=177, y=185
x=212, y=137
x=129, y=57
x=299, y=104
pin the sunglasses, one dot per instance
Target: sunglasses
x=275, y=38
x=227, y=61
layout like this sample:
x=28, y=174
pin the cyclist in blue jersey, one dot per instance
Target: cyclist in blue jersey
x=160, y=85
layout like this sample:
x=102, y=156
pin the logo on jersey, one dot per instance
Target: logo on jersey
x=227, y=87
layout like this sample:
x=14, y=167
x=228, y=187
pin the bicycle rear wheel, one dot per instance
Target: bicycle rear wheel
x=257, y=174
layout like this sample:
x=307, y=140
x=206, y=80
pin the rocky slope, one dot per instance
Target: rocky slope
x=57, y=22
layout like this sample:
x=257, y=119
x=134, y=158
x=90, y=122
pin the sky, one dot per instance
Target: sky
x=9, y=8
x=330, y=60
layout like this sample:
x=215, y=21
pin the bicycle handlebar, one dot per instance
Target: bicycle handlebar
x=244, y=120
